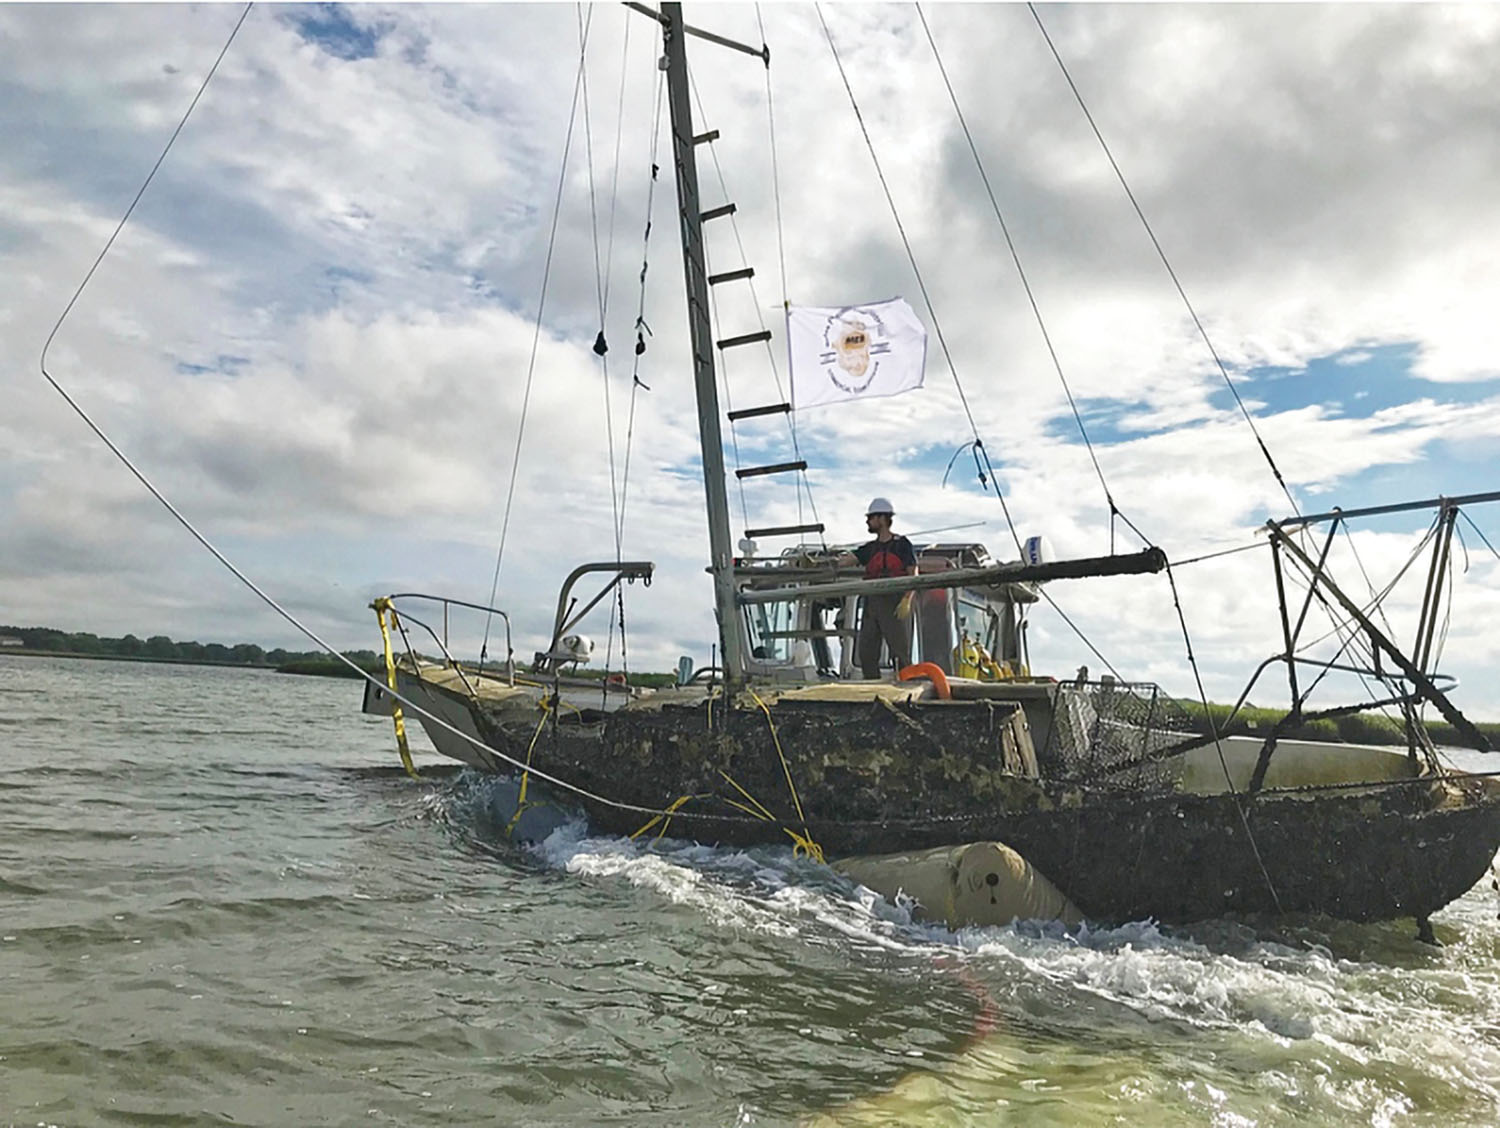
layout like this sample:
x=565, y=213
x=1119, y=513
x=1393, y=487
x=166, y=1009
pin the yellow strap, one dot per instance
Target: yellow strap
x=521, y=803
x=803, y=845
x=804, y=841
x=759, y=812
x=382, y=606
x=664, y=818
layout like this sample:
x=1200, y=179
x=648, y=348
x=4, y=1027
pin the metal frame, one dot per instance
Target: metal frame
x=564, y=621
x=1425, y=686
x=510, y=665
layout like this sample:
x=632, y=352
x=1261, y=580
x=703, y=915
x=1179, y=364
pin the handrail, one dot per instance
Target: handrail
x=410, y=618
x=446, y=601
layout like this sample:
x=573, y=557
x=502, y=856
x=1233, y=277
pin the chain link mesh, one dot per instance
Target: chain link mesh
x=1116, y=735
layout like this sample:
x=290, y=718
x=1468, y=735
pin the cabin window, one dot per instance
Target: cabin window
x=768, y=630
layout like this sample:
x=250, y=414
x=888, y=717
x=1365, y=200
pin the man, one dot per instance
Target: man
x=885, y=617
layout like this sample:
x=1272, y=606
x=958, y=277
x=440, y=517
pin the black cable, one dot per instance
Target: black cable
x=1020, y=270
x=1193, y=313
x=536, y=338
x=78, y=293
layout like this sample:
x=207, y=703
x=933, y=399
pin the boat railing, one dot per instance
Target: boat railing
x=447, y=602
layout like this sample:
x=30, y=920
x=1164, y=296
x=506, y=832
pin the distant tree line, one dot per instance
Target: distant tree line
x=161, y=648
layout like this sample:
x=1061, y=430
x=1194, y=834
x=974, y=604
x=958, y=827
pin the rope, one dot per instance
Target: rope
x=536, y=336
x=1021, y=271
x=382, y=607
x=664, y=818
x=521, y=803
x=1216, y=555
x=1171, y=273
x=803, y=842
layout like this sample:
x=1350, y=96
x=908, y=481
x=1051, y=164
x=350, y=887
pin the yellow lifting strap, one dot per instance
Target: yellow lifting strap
x=803, y=843
x=664, y=818
x=381, y=606
x=521, y=803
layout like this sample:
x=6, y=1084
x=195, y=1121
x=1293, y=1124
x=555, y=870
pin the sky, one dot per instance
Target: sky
x=314, y=334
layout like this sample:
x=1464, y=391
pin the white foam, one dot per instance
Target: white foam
x=1436, y=1015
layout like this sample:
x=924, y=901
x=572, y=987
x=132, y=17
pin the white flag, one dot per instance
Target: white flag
x=853, y=352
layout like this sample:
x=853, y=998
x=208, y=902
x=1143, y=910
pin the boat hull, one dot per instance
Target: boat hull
x=872, y=777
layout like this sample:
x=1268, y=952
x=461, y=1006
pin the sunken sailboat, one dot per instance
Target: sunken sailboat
x=1132, y=804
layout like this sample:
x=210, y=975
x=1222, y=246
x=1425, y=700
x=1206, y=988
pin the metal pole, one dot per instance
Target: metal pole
x=1374, y=510
x=1286, y=628
x=701, y=333
x=1432, y=599
x=1421, y=681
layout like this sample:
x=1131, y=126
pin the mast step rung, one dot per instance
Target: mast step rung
x=754, y=412
x=777, y=468
x=746, y=339
x=783, y=530
x=715, y=213
x=711, y=135
x=731, y=275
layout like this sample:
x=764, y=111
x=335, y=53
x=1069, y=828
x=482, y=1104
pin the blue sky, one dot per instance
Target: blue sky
x=315, y=332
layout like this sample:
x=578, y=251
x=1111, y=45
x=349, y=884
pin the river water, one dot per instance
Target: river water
x=221, y=901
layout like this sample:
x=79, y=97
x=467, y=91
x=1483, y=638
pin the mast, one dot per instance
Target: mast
x=701, y=333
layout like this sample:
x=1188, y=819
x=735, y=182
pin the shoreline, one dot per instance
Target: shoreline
x=28, y=652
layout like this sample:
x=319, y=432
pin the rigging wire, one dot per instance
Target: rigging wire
x=641, y=328
x=196, y=533
x=617, y=611
x=1216, y=555
x=601, y=283
x=900, y=227
x=1078, y=418
x=786, y=301
x=1162, y=254
x=129, y=211
x=614, y=188
x=803, y=482
x=1464, y=514
x=1025, y=281
x=1182, y=293
x=989, y=479
x=536, y=337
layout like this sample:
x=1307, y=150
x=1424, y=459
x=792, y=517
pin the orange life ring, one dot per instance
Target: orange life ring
x=933, y=673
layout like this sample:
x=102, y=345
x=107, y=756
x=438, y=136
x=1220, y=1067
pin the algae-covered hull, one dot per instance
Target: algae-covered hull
x=879, y=776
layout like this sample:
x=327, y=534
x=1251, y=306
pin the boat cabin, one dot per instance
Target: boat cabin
x=966, y=631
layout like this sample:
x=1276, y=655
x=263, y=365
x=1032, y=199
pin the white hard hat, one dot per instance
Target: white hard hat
x=880, y=505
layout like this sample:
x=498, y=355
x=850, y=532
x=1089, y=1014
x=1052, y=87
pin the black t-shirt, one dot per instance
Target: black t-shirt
x=886, y=558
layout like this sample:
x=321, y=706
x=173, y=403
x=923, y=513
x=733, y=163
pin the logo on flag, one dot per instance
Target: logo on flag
x=854, y=352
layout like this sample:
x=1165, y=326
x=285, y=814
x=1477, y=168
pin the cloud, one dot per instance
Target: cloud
x=315, y=333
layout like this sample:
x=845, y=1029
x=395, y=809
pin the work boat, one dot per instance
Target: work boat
x=1129, y=803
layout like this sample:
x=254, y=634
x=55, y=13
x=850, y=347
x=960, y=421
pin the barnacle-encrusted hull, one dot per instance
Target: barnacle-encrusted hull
x=880, y=776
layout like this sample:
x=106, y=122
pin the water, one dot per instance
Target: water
x=222, y=902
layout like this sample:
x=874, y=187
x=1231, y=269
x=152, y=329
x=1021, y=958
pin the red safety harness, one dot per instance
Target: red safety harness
x=886, y=561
